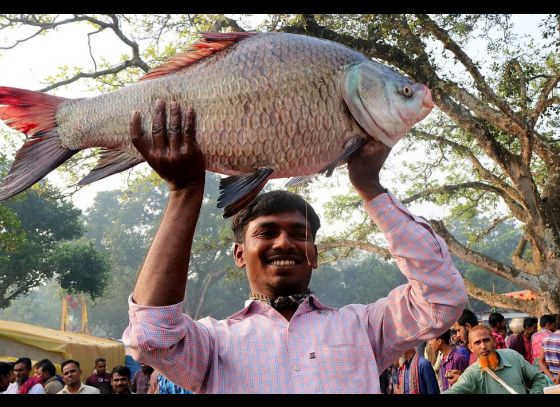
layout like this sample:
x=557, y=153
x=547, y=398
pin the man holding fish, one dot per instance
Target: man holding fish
x=285, y=340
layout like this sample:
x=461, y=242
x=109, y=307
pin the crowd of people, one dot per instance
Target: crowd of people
x=17, y=378
x=476, y=358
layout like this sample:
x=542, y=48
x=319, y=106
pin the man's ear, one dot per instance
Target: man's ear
x=239, y=255
x=315, y=259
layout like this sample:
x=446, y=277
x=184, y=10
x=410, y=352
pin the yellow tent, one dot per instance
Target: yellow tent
x=35, y=342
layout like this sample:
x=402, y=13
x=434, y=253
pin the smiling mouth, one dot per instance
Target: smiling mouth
x=283, y=263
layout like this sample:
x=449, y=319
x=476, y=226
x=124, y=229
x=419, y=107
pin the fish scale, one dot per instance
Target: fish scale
x=288, y=104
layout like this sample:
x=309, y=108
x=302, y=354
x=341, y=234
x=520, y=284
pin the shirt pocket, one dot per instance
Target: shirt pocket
x=342, y=364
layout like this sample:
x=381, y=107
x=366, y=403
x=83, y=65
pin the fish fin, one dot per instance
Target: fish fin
x=28, y=111
x=295, y=181
x=238, y=190
x=351, y=147
x=110, y=162
x=209, y=44
x=33, y=113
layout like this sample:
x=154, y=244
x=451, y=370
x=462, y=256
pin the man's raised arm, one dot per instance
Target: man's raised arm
x=175, y=156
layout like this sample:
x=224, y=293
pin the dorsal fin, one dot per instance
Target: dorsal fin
x=209, y=44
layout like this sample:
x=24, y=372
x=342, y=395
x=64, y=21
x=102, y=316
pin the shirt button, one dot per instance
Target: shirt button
x=296, y=368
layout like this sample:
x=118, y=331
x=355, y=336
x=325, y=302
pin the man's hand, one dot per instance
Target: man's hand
x=174, y=154
x=452, y=376
x=364, y=166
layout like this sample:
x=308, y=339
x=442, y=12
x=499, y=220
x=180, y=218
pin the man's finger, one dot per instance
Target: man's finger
x=189, y=127
x=159, y=134
x=174, y=131
x=138, y=139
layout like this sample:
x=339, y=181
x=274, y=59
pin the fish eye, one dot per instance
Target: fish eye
x=407, y=91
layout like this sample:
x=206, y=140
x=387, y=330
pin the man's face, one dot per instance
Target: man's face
x=21, y=372
x=44, y=376
x=276, y=252
x=481, y=342
x=435, y=344
x=530, y=331
x=120, y=383
x=101, y=368
x=71, y=374
x=4, y=382
x=551, y=326
x=462, y=335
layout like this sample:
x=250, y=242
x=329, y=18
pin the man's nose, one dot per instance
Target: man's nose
x=283, y=240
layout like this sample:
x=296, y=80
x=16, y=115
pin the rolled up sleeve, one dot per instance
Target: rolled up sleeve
x=165, y=338
x=435, y=294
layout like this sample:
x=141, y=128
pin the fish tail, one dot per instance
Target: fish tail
x=32, y=113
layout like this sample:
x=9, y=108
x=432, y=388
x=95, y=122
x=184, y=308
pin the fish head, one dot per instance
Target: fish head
x=383, y=102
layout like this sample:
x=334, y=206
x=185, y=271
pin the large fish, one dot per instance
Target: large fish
x=268, y=105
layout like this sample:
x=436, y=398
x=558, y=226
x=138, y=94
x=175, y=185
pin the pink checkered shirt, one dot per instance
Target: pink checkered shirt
x=321, y=350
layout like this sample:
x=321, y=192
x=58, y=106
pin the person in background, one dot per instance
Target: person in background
x=451, y=358
x=71, y=373
x=100, y=379
x=141, y=380
x=498, y=325
x=522, y=341
x=434, y=356
x=549, y=357
x=548, y=325
x=416, y=375
x=510, y=368
x=159, y=384
x=6, y=373
x=464, y=324
x=25, y=384
x=120, y=380
x=46, y=371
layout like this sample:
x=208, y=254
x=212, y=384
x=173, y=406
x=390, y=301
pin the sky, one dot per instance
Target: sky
x=29, y=63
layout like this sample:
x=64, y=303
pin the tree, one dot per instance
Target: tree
x=490, y=149
x=45, y=245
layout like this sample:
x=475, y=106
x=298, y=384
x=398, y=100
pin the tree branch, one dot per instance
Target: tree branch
x=514, y=63
x=543, y=101
x=114, y=70
x=501, y=301
x=495, y=223
x=479, y=81
x=380, y=251
x=484, y=262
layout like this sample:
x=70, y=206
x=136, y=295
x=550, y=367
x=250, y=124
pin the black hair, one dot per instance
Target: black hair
x=100, y=360
x=47, y=366
x=122, y=371
x=547, y=319
x=495, y=318
x=468, y=317
x=6, y=368
x=270, y=203
x=25, y=361
x=446, y=336
x=67, y=362
x=529, y=322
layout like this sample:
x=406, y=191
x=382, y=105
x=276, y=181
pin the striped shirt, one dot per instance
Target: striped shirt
x=551, y=348
x=321, y=349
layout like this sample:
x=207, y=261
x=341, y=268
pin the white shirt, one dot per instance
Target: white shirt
x=36, y=389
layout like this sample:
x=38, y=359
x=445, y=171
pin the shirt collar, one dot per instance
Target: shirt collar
x=258, y=307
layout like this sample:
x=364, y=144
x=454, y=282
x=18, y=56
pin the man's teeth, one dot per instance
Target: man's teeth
x=283, y=263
